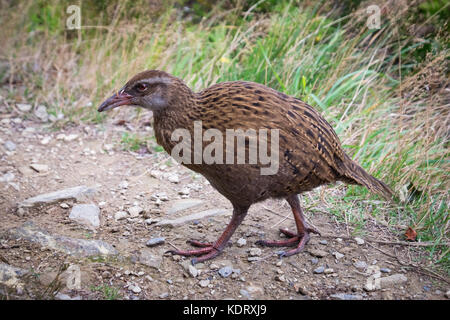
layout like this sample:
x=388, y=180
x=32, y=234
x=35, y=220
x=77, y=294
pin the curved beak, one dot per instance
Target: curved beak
x=119, y=99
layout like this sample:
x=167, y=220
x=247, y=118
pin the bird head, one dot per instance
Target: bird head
x=151, y=89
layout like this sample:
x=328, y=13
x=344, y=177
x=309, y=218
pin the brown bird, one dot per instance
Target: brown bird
x=309, y=151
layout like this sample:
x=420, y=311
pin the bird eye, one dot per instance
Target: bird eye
x=141, y=87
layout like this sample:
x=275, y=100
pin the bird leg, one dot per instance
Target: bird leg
x=299, y=239
x=211, y=250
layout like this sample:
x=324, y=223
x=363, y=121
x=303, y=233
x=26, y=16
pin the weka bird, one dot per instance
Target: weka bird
x=310, y=152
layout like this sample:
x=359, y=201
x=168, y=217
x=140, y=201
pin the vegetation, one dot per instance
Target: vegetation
x=385, y=91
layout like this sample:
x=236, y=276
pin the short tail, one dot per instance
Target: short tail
x=353, y=173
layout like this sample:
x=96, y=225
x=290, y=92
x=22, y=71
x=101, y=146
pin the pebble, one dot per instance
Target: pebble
x=319, y=270
x=189, y=268
x=225, y=271
x=64, y=205
x=174, y=178
x=39, y=167
x=314, y=261
x=164, y=295
x=346, y=296
x=301, y=289
x=385, y=270
x=120, y=215
x=241, y=242
x=447, y=294
x=23, y=107
x=86, y=214
x=150, y=258
x=338, y=255
x=255, y=252
x=328, y=270
x=360, y=265
x=46, y=140
x=359, y=241
x=155, y=241
x=317, y=253
x=41, y=113
x=392, y=281
x=135, y=211
x=9, y=145
x=204, y=283
x=135, y=288
x=324, y=242
x=184, y=191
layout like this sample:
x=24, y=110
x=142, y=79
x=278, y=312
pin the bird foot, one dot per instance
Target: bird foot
x=207, y=251
x=298, y=240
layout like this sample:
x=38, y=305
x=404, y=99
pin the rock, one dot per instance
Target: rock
x=9, y=145
x=392, y=281
x=72, y=246
x=255, y=252
x=241, y=242
x=155, y=241
x=39, y=167
x=86, y=214
x=183, y=204
x=120, y=215
x=66, y=194
x=23, y=107
x=7, y=177
x=319, y=270
x=46, y=140
x=447, y=294
x=41, y=113
x=255, y=291
x=280, y=278
x=149, y=258
x=301, y=289
x=204, y=283
x=360, y=265
x=346, y=296
x=338, y=255
x=317, y=252
x=323, y=242
x=184, y=191
x=135, y=288
x=189, y=268
x=10, y=276
x=314, y=261
x=226, y=271
x=192, y=217
x=174, y=178
x=359, y=241
x=135, y=211
x=164, y=295
x=385, y=270
x=328, y=270
x=70, y=137
x=64, y=205
x=245, y=294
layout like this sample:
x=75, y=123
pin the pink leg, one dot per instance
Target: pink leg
x=208, y=250
x=303, y=230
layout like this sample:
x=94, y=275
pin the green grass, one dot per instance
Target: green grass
x=108, y=292
x=382, y=90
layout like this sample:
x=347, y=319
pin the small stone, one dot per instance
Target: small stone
x=255, y=291
x=255, y=252
x=346, y=296
x=253, y=259
x=301, y=289
x=70, y=137
x=7, y=177
x=447, y=294
x=204, y=283
x=360, y=265
x=164, y=295
x=64, y=205
x=39, y=167
x=135, y=288
x=41, y=113
x=241, y=242
x=174, y=178
x=319, y=270
x=328, y=270
x=23, y=107
x=314, y=261
x=150, y=258
x=225, y=271
x=392, y=281
x=86, y=214
x=189, y=268
x=46, y=140
x=323, y=242
x=155, y=241
x=120, y=215
x=135, y=211
x=9, y=145
x=385, y=270
x=359, y=241
x=338, y=255
x=280, y=278
x=317, y=253
x=184, y=191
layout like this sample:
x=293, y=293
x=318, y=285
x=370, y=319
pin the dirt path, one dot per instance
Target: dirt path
x=136, y=191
